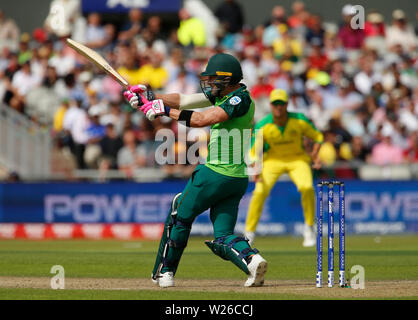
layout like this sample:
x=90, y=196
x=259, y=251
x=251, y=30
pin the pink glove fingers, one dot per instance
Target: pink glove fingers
x=128, y=94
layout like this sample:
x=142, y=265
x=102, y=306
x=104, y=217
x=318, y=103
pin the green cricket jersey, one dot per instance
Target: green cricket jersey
x=229, y=140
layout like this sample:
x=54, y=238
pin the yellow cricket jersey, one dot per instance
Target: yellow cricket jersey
x=284, y=143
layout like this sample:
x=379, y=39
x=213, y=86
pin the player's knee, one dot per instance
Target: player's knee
x=261, y=193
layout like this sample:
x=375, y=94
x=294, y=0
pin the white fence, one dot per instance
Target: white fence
x=24, y=145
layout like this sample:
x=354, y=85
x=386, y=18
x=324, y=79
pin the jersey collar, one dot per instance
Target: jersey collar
x=231, y=94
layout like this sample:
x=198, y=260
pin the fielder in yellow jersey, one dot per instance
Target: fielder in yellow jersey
x=282, y=138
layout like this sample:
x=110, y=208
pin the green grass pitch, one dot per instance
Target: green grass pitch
x=386, y=260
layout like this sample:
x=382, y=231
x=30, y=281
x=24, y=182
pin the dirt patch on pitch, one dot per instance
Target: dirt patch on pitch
x=373, y=289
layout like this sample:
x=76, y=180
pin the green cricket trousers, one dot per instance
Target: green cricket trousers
x=207, y=189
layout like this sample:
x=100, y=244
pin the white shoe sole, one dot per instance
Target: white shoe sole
x=258, y=281
x=166, y=285
x=166, y=280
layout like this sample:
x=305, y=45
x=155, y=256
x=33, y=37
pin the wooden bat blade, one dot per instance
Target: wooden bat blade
x=98, y=60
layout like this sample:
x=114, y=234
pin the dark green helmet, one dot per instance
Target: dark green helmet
x=223, y=64
x=227, y=70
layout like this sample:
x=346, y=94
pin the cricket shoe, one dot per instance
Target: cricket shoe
x=166, y=279
x=257, y=268
x=250, y=237
x=154, y=280
x=309, y=239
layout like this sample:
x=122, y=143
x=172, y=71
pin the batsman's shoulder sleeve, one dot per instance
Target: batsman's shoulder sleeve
x=236, y=105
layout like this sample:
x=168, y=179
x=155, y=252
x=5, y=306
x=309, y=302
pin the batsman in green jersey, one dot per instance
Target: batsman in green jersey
x=221, y=182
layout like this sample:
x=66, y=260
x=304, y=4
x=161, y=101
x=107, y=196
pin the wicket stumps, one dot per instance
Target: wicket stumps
x=331, y=213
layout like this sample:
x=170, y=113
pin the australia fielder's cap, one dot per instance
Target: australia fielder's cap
x=278, y=95
x=223, y=64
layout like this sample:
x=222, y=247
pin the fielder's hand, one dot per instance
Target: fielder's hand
x=316, y=163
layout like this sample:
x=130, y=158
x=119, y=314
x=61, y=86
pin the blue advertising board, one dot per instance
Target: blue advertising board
x=123, y=6
x=371, y=207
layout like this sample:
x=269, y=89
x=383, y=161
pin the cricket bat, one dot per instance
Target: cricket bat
x=98, y=60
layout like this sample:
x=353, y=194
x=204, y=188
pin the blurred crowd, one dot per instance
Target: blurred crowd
x=358, y=85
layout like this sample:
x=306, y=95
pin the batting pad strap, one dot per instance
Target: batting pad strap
x=169, y=263
x=245, y=253
x=228, y=253
x=235, y=240
x=176, y=244
x=181, y=223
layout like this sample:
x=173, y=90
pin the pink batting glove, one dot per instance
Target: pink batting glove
x=153, y=109
x=135, y=99
x=139, y=88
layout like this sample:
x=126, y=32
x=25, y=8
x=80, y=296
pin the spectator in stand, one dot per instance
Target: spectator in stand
x=128, y=155
x=400, y=33
x=317, y=58
x=250, y=65
x=271, y=32
x=95, y=133
x=24, y=52
x=350, y=39
x=66, y=12
x=230, y=15
x=129, y=68
x=153, y=73
x=359, y=151
x=59, y=115
x=328, y=153
x=288, y=46
x=263, y=87
x=365, y=78
x=133, y=26
x=386, y=153
x=248, y=39
x=9, y=32
x=148, y=44
x=299, y=16
x=315, y=30
x=63, y=62
x=374, y=26
x=5, y=58
x=24, y=80
x=411, y=153
x=154, y=26
x=174, y=63
x=184, y=83
x=96, y=35
x=260, y=93
x=76, y=123
x=110, y=145
x=191, y=32
x=115, y=116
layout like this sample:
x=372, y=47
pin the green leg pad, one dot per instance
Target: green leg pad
x=163, y=247
x=227, y=253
